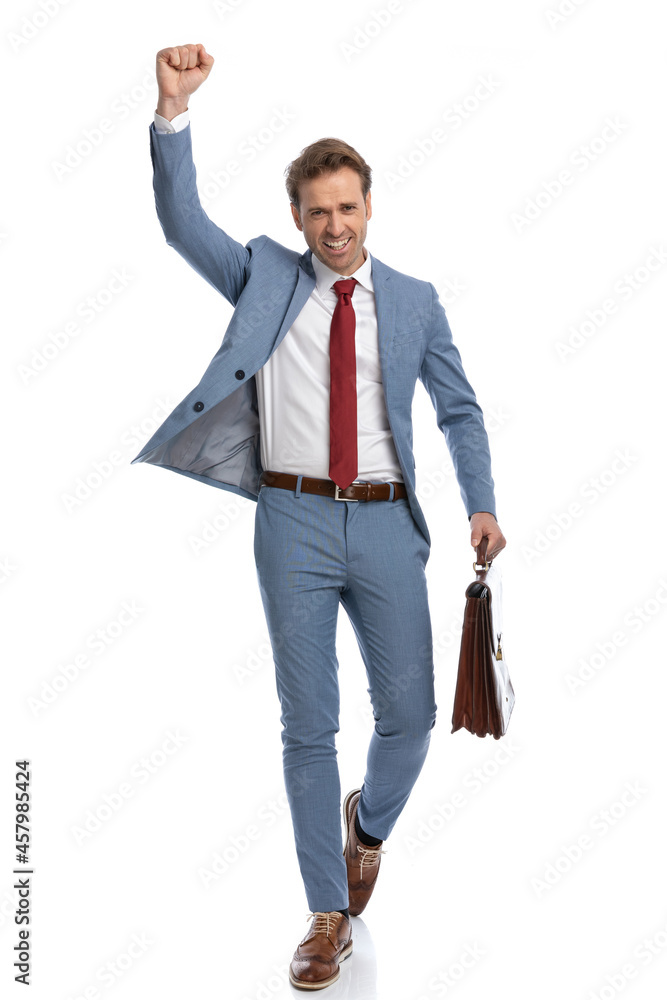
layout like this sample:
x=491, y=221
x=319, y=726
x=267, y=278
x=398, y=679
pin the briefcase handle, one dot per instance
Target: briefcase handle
x=481, y=565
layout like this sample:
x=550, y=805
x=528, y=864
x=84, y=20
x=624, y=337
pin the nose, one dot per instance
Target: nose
x=336, y=225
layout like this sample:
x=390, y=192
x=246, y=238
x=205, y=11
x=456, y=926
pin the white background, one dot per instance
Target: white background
x=119, y=906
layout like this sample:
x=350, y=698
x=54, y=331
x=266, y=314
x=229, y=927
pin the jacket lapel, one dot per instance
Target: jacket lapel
x=304, y=286
x=386, y=312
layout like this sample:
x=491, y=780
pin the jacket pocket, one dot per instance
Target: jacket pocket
x=405, y=336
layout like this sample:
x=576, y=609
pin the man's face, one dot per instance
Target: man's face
x=332, y=216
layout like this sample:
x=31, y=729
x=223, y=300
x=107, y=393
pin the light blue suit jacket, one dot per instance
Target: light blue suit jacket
x=213, y=434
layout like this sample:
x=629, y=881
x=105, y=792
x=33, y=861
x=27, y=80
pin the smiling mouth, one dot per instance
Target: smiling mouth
x=337, y=245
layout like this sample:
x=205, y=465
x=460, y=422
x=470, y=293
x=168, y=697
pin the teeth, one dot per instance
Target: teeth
x=339, y=243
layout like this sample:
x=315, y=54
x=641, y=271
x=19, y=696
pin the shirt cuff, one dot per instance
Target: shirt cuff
x=163, y=125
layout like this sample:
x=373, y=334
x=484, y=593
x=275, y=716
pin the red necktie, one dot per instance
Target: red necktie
x=343, y=388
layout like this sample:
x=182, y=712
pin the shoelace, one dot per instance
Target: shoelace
x=322, y=921
x=369, y=855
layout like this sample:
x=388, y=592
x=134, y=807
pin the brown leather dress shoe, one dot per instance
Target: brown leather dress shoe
x=363, y=863
x=316, y=961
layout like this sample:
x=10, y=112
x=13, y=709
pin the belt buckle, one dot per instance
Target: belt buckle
x=337, y=495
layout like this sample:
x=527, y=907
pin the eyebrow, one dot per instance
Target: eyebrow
x=341, y=204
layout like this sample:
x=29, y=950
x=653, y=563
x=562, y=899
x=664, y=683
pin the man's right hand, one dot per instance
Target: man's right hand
x=180, y=70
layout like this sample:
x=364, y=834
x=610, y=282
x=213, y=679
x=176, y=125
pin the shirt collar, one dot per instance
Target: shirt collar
x=325, y=277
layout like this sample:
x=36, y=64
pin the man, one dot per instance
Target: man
x=309, y=394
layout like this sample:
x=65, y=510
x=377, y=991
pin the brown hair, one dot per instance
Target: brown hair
x=323, y=157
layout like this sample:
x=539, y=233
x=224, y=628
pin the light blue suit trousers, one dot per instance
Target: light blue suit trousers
x=312, y=554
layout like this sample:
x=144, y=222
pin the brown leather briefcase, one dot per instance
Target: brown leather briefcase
x=484, y=696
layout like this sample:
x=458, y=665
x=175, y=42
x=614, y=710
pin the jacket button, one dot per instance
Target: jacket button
x=198, y=407
x=240, y=374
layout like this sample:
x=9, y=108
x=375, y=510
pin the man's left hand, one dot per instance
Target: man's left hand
x=484, y=524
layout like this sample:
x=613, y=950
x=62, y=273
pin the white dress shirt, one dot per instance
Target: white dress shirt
x=293, y=385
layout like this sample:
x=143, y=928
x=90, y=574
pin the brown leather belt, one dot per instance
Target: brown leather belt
x=325, y=487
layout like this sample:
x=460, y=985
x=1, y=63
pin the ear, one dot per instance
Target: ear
x=369, y=210
x=295, y=216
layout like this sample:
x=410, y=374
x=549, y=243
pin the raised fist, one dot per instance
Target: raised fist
x=180, y=70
